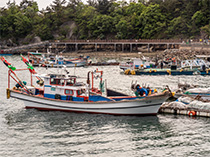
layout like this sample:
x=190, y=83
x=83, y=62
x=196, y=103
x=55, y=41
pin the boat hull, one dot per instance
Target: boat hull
x=172, y=72
x=204, y=96
x=79, y=64
x=146, y=106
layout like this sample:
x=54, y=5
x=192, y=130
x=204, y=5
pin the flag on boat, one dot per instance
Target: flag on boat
x=12, y=68
x=30, y=67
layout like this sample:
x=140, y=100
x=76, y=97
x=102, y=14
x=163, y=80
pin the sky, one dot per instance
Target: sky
x=41, y=3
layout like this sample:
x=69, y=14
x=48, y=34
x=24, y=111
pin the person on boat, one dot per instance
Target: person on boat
x=141, y=91
x=161, y=65
x=203, y=67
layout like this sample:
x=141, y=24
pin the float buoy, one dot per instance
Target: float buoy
x=127, y=72
x=133, y=72
x=169, y=72
x=8, y=93
x=192, y=113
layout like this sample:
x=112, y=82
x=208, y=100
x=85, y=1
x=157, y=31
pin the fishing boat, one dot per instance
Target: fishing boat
x=157, y=71
x=188, y=67
x=136, y=63
x=193, y=91
x=63, y=92
x=35, y=58
x=51, y=60
x=2, y=53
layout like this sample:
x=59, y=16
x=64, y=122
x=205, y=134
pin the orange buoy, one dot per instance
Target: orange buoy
x=192, y=113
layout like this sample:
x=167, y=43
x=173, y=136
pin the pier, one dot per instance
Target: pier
x=141, y=45
x=114, y=45
x=98, y=45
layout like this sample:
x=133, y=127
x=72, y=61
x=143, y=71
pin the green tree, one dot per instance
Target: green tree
x=153, y=22
x=101, y=26
x=85, y=14
x=103, y=6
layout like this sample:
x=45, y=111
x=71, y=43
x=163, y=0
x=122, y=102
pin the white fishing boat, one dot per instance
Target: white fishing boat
x=193, y=91
x=63, y=92
x=137, y=63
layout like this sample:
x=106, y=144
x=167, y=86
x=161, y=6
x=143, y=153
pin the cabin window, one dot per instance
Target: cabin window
x=53, y=88
x=70, y=82
x=81, y=91
x=61, y=82
x=69, y=92
x=52, y=81
x=55, y=81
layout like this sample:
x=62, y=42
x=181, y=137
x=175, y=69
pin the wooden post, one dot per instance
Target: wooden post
x=96, y=46
x=122, y=47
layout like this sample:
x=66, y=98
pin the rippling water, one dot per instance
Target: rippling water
x=38, y=133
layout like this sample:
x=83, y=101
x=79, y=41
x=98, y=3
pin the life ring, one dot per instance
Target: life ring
x=192, y=113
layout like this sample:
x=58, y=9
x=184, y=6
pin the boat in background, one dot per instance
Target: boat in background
x=2, y=53
x=188, y=67
x=51, y=60
x=63, y=92
x=193, y=91
x=137, y=63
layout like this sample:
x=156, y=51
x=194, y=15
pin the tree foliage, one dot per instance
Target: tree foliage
x=106, y=19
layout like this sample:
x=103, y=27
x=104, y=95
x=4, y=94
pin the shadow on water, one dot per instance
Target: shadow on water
x=52, y=119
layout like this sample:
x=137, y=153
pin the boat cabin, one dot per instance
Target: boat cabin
x=58, y=86
x=67, y=88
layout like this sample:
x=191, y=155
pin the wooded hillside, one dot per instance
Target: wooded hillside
x=105, y=19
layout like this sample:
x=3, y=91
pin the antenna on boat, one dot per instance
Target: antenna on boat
x=75, y=68
x=64, y=67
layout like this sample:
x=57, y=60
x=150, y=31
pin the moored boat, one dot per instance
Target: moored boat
x=50, y=60
x=193, y=91
x=63, y=92
x=2, y=53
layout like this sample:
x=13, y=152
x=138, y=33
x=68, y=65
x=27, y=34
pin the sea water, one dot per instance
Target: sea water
x=29, y=132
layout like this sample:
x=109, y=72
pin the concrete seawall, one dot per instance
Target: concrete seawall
x=195, y=47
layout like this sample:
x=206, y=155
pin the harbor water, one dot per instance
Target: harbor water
x=29, y=132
